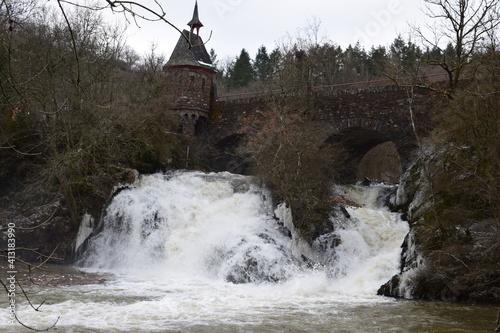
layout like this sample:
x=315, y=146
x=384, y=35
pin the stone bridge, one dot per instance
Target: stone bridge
x=373, y=120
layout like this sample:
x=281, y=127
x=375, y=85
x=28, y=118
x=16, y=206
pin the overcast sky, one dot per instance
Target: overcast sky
x=237, y=24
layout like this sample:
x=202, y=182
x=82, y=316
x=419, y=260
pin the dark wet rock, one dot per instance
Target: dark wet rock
x=460, y=251
x=391, y=288
x=41, y=231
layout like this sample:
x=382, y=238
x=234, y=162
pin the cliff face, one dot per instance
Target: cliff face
x=46, y=231
x=450, y=254
x=40, y=231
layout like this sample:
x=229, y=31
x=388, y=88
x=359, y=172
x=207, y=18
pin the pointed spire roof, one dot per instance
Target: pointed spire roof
x=192, y=53
x=195, y=22
x=184, y=55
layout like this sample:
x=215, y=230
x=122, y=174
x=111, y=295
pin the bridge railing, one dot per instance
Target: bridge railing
x=332, y=87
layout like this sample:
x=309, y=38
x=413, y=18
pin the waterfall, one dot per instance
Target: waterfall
x=195, y=252
x=224, y=227
x=193, y=224
x=365, y=249
x=86, y=228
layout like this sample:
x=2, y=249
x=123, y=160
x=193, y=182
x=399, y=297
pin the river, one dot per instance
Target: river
x=191, y=252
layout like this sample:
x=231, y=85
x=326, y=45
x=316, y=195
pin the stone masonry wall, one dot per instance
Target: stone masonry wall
x=192, y=87
x=385, y=109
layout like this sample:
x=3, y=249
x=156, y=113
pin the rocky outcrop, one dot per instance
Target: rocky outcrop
x=446, y=256
x=41, y=231
x=46, y=230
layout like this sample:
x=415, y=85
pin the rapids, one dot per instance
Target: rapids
x=224, y=227
x=195, y=252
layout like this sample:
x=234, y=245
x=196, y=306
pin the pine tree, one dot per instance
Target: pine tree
x=274, y=62
x=405, y=56
x=213, y=58
x=377, y=61
x=355, y=62
x=242, y=72
x=262, y=64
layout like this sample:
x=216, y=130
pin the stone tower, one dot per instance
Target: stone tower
x=190, y=76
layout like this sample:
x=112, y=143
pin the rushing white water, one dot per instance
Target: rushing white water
x=369, y=249
x=217, y=226
x=222, y=227
x=207, y=252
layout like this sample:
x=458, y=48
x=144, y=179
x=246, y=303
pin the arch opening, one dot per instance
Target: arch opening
x=228, y=158
x=373, y=155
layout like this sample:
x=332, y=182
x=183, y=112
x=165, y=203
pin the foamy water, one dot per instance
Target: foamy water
x=192, y=252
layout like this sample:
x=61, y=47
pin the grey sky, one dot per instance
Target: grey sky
x=237, y=24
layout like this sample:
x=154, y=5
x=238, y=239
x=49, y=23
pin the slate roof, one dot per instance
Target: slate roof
x=196, y=56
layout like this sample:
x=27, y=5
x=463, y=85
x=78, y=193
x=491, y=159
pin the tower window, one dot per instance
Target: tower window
x=203, y=84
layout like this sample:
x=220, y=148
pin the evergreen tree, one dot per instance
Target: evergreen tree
x=398, y=48
x=450, y=55
x=213, y=58
x=274, y=62
x=262, y=64
x=378, y=61
x=405, y=56
x=412, y=58
x=242, y=72
x=433, y=54
x=355, y=62
x=326, y=60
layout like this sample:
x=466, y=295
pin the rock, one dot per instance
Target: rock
x=129, y=176
x=41, y=231
x=391, y=288
x=460, y=251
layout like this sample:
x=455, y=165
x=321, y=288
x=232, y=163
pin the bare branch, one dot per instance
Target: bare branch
x=36, y=329
x=37, y=309
x=454, y=257
x=464, y=24
x=132, y=8
x=73, y=42
x=37, y=226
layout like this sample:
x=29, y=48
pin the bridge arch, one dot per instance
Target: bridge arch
x=228, y=158
x=372, y=153
x=361, y=119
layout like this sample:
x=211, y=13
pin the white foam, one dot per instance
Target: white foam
x=175, y=240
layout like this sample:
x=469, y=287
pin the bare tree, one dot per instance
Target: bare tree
x=133, y=11
x=466, y=24
x=77, y=108
x=288, y=153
